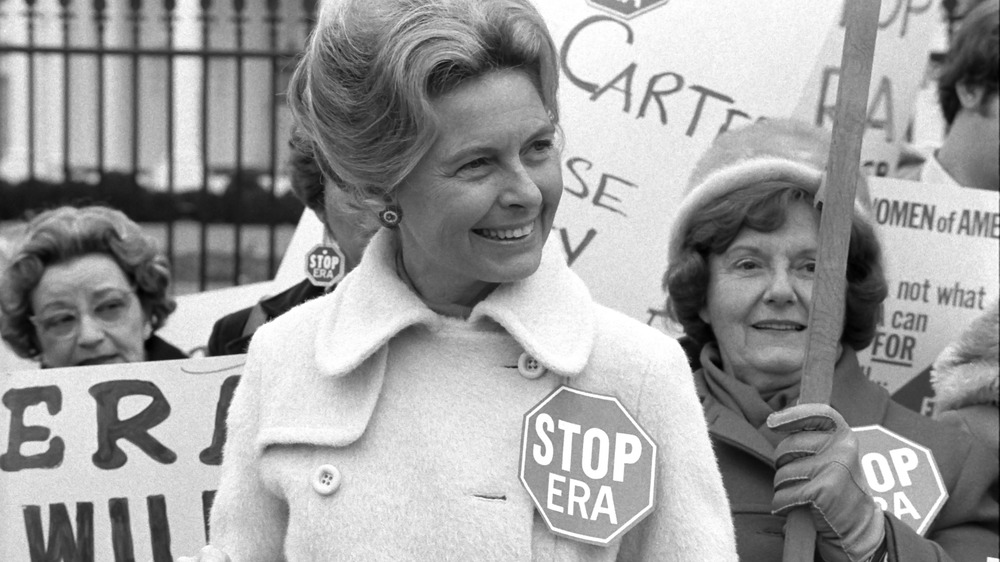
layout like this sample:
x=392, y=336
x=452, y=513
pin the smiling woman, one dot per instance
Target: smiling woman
x=383, y=421
x=740, y=281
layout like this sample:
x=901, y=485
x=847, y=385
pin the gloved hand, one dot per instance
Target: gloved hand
x=207, y=554
x=818, y=465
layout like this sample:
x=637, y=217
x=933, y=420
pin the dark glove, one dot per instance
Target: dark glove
x=818, y=465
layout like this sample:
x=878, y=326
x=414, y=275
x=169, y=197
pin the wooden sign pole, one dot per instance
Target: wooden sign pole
x=826, y=316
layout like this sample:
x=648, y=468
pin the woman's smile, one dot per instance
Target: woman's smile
x=779, y=326
x=506, y=234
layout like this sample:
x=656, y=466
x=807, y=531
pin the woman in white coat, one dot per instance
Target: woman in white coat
x=383, y=421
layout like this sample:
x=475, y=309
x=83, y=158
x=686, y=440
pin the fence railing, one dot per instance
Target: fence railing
x=172, y=111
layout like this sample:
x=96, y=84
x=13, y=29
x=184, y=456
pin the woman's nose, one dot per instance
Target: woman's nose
x=91, y=331
x=780, y=289
x=520, y=190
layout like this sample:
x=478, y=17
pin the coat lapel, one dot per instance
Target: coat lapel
x=550, y=314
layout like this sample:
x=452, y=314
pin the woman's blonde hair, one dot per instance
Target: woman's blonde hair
x=362, y=92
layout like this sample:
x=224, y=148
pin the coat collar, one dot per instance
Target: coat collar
x=550, y=313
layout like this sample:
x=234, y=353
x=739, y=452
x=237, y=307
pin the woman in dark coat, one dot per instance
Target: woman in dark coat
x=740, y=277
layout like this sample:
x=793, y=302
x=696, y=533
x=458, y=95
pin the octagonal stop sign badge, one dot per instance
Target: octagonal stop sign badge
x=902, y=475
x=587, y=465
x=325, y=265
x=626, y=8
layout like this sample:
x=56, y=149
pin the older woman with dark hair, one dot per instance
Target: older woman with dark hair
x=86, y=287
x=383, y=421
x=740, y=279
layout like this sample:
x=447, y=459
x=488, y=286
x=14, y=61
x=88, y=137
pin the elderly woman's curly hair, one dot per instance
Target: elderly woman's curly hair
x=62, y=234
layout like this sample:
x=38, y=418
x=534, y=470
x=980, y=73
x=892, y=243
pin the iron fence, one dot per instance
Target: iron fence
x=172, y=111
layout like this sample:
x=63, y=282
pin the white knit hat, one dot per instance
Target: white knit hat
x=767, y=150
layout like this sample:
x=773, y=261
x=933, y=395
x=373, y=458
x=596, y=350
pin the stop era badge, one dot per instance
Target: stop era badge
x=903, y=476
x=587, y=465
x=325, y=265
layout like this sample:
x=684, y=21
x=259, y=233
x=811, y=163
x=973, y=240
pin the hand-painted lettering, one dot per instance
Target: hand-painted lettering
x=135, y=429
x=17, y=400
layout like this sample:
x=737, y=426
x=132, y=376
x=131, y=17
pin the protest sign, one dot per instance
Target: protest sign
x=114, y=462
x=905, y=31
x=902, y=475
x=641, y=97
x=942, y=256
x=588, y=466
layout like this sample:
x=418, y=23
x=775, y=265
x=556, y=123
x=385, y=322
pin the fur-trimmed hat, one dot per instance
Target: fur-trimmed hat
x=767, y=150
x=967, y=372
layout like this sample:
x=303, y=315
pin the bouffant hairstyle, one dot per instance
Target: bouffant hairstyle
x=65, y=233
x=311, y=187
x=972, y=59
x=764, y=208
x=362, y=92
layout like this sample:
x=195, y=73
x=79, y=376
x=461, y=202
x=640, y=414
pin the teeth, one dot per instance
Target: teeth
x=780, y=326
x=507, y=234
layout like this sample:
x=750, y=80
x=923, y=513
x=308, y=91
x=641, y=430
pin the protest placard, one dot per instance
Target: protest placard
x=942, y=257
x=113, y=462
x=642, y=95
x=905, y=32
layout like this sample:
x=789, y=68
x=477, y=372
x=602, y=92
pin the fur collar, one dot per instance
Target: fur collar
x=535, y=311
x=967, y=372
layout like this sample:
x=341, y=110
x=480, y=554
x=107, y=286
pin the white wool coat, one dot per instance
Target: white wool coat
x=421, y=414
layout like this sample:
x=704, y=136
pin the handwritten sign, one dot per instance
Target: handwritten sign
x=942, y=256
x=112, y=463
x=587, y=465
x=905, y=29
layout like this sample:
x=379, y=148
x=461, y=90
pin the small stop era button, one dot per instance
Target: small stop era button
x=529, y=367
x=326, y=480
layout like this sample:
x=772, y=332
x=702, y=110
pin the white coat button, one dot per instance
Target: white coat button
x=529, y=367
x=326, y=480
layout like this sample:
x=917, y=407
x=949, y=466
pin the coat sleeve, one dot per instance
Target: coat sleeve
x=248, y=521
x=966, y=528
x=692, y=520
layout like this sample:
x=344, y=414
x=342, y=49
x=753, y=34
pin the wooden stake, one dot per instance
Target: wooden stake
x=826, y=317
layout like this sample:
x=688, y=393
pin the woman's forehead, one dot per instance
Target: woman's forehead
x=85, y=278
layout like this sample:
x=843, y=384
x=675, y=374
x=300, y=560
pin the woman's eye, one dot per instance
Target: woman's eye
x=539, y=150
x=810, y=267
x=542, y=145
x=746, y=265
x=475, y=164
x=59, y=321
x=110, y=308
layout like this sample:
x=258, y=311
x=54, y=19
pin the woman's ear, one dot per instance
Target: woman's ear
x=971, y=97
x=147, y=329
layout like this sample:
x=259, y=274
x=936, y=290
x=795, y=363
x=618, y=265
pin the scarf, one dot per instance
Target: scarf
x=742, y=398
